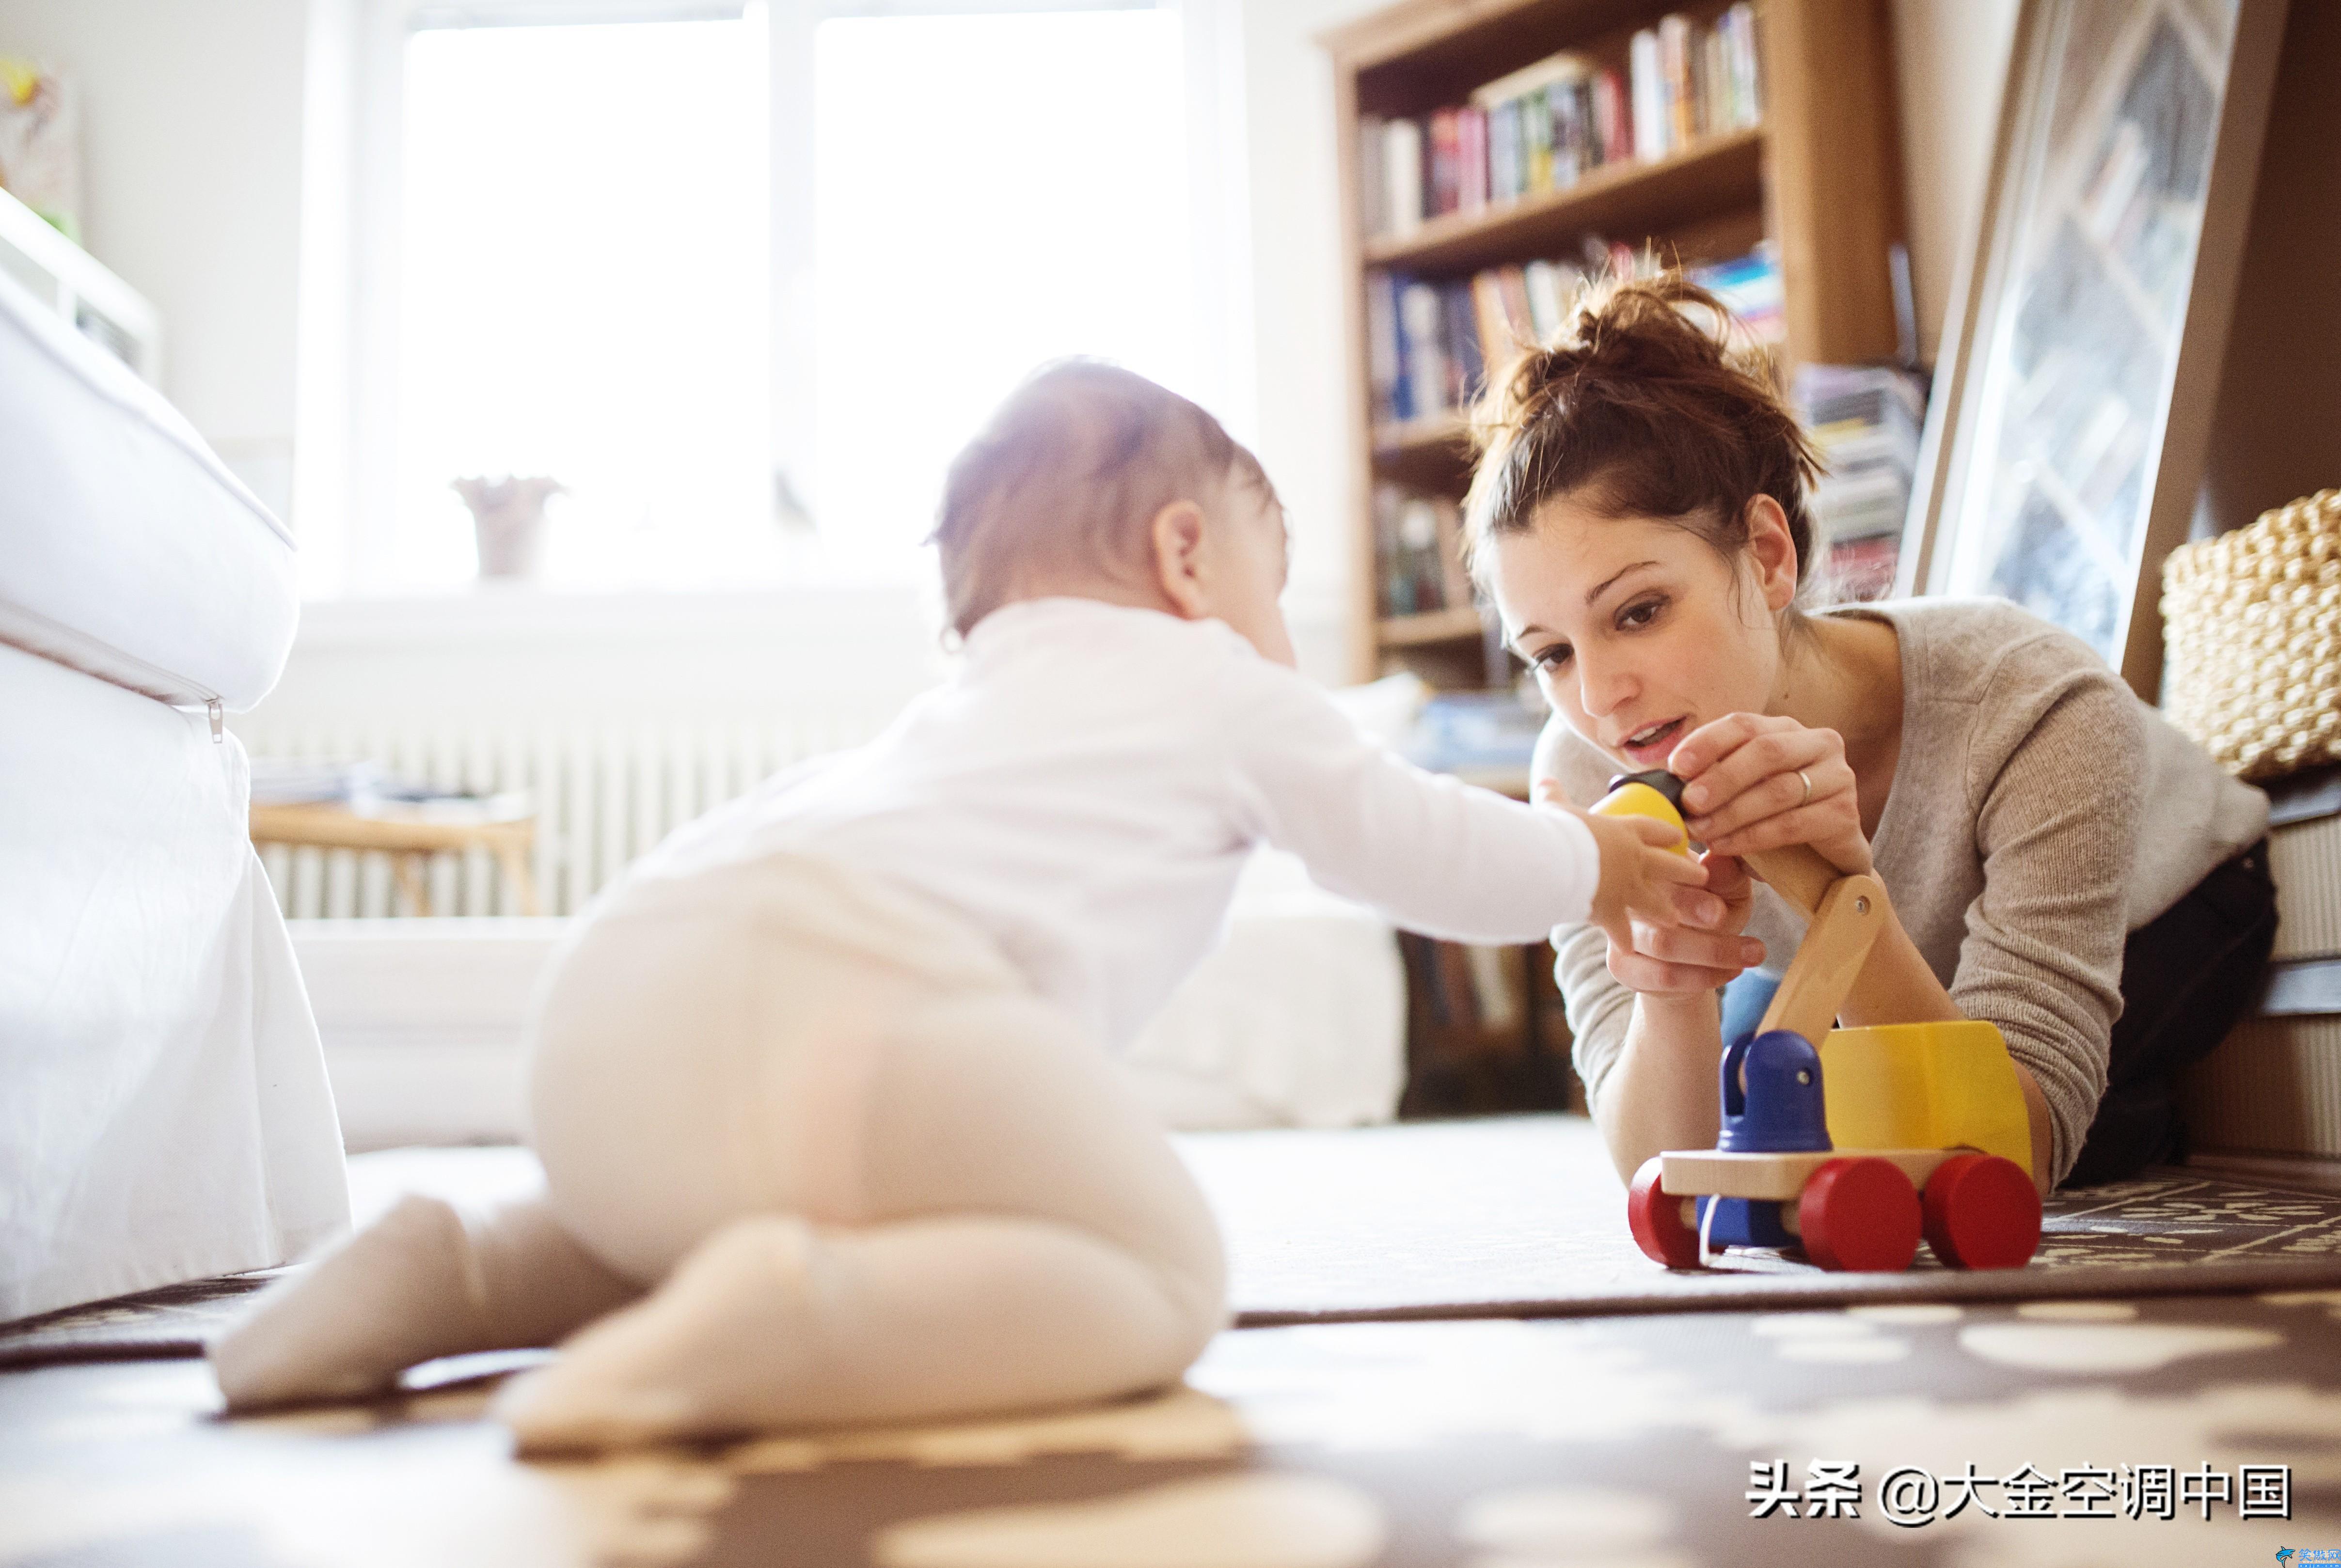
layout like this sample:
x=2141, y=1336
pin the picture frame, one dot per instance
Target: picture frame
x=2065, y=440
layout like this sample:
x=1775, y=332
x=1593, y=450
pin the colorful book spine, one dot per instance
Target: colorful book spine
x=1472, y=161
x=1613, y=118
x=1677, y=91
x=1506, y=180
x=1442, y=180
x=1646, y=70
x=1422, y=329
x=1573, y=153
x=1384, y=377
x=1402, y=172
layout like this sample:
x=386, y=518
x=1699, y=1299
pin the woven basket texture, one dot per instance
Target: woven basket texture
x=2252, y=640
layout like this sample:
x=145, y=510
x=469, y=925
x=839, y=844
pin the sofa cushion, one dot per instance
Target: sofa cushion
x=127, y=550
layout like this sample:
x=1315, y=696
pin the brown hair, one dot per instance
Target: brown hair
x=1637, y=409
x=1072, y=468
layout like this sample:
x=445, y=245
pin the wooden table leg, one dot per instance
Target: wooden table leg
x=515, y=861
x=410, y=882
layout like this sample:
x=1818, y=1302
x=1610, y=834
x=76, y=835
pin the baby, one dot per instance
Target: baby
x=822, y=1086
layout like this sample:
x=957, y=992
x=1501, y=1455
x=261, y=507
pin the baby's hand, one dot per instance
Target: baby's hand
x=1644, y=876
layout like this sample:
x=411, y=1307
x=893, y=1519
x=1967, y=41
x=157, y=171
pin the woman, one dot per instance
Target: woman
x=2061, y=862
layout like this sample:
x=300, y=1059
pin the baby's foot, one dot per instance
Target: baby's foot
x=706, y=1354
x=346, y=1325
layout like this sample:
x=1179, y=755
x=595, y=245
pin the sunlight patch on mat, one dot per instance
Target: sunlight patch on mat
x=2077, y=1311
x=1402, y=1385
x=1266, y=1520
x=1180, y=1423
x=2101, y=1347
x=1570, y=1527
x=1909, y=1313
x=353, y=1487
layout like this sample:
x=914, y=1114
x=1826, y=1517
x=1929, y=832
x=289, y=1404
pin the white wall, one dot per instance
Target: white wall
x=192, y=175
x=1952, y=57
x=1298, y=332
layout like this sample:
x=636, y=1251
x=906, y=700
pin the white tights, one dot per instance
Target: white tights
x=866, y=1173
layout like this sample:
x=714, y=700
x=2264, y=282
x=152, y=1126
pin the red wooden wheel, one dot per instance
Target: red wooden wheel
x=1660, y=1222
x=1982, y=1212
x=1859, y=1216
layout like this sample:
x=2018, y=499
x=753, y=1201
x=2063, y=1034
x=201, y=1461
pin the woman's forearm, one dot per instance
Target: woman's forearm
x=1661, y=1093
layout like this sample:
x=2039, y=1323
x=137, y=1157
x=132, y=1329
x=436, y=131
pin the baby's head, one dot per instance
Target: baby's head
x=1092, y=482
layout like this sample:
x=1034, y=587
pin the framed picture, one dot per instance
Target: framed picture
x=2065, y=440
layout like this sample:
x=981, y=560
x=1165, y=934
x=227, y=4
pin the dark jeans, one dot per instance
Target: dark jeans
x=2187, y=977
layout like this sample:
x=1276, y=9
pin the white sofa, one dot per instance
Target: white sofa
x=1297, y=1020
x=165, y=1114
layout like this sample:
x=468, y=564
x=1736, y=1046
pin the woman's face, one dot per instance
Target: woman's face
x=1639, y=631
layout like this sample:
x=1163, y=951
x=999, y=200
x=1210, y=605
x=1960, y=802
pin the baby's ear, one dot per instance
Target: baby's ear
x=1175, y=539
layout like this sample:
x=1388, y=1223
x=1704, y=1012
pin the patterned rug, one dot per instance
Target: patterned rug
x=1524, y=1216
x=1507, y=1217
x=2172, y=1432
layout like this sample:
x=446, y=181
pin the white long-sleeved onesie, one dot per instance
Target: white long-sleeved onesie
x=825, y=1069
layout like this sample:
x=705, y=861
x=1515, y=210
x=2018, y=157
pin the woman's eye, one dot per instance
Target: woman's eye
x=1553, y=658
x=1642, y=612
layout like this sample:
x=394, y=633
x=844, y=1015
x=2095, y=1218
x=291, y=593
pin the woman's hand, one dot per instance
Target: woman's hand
x=1746, y=789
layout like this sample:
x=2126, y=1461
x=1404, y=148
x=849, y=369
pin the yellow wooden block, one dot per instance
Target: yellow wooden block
x=1641, y=800
x=1924, y=1086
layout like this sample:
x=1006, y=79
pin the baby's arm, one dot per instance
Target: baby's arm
x=1436, y=855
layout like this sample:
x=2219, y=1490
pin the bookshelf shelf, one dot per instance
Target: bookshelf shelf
x=1721, y=174
x=1440, y=435
x=1433, y=626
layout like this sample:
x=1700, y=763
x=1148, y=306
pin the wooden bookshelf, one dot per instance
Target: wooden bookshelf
x=1819, y=177
x=1719, y=174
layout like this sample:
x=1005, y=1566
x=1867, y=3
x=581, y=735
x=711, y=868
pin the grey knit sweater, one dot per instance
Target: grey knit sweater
x=2039, y=813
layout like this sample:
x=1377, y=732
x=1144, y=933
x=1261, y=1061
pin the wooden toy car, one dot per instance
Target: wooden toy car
x=1849, y=1143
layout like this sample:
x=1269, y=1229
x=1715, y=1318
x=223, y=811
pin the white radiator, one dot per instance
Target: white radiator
x=602, y=796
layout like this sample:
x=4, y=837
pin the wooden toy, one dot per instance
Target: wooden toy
x=1850, y=1144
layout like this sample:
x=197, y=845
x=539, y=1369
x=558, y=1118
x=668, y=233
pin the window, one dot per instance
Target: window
x=742, y=281
x=583, y=295
x=994, y=192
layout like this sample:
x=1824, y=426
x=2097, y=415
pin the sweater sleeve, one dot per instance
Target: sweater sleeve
x=1436, y=855
x=2053, y=794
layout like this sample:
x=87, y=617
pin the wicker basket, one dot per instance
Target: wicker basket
x=2252, y=639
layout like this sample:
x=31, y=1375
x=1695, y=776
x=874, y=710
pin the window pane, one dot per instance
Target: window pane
x=994, y=191
x=584, y=296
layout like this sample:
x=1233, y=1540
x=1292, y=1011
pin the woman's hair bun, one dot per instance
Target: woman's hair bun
x=1652, y=400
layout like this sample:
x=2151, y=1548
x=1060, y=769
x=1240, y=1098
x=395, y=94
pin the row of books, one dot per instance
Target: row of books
x=1430, y=346
x=1866, y=421
x=1417, y=552
x=1547, y=126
